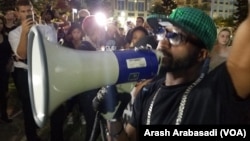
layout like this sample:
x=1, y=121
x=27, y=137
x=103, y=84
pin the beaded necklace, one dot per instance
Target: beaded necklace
x=182, y=103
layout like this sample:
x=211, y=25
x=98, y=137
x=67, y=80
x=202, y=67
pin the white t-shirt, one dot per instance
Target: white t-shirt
x=14, y=38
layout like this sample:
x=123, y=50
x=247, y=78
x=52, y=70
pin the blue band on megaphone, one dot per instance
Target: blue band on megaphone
x=136, y=65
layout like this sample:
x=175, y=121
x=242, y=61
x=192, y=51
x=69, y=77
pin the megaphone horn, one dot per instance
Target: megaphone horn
x=56, y=73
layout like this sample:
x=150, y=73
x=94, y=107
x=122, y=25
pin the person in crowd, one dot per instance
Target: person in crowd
x=221, y=48
x=149, y=29
x=94, y=37
x=5, y=70
x=18, y=39
x=145, y=42
x=139, y=21
x=129, y=25
x=137, y=34
x=148, y=41
x=11, y=22
x=113, y=39
x=94, y=33
x=63, y=28
x=82, y=13
x=122, y=32
x=128, y=37
x=47, y=16
x=189, y=94
x=75, y=33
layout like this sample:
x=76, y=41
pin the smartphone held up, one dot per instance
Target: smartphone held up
x=31, y=18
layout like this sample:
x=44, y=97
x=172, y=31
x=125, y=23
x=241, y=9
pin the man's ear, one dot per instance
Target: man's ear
x=203, y=54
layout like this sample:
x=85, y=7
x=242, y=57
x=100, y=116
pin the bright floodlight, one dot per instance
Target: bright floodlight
x=101, y=18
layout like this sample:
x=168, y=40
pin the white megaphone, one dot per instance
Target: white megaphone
x=56, y=73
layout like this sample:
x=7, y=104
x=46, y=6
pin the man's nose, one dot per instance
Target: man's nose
x=165, y=41
x=163, y=44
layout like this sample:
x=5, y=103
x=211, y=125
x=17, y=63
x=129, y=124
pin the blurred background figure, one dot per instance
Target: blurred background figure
x=148, y=42
x=221, y=48
x=75, y=34
x=63, y=27
x=11, y=20
x=129, y=25
x=5, y=70
x=136, y=34
x=149, y=29
x=18, y=39
x=58, y=22
x=128, y=37
x=47, y=18
x=82, y=13
x=94, y=32
x=10, y=24
x=113, y=39
x=94, y=38
x=139, y=21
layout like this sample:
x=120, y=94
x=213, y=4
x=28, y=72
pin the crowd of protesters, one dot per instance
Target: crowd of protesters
x=84, y=33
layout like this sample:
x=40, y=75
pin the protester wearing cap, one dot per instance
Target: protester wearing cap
x=188, y=94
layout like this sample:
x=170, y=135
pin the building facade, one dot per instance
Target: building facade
x=128, y=10
x=222, y=8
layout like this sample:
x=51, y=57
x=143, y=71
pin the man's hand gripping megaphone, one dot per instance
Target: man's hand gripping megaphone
x=110, y=103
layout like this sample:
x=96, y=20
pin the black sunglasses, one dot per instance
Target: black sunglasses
x=176, y=38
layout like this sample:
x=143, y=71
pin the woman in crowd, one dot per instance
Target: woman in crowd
x=221, y=48
x=5, y=69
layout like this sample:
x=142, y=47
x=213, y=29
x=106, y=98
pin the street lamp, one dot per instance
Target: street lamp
x=74, y=11
x=101, y=18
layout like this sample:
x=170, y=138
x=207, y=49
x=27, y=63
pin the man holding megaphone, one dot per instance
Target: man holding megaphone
x=188, y=95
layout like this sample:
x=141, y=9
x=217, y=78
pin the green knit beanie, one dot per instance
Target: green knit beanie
x=193, y=21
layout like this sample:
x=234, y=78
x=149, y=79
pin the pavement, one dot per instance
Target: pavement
x=14, y=131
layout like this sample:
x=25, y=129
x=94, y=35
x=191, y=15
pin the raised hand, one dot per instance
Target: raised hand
x=26, y=25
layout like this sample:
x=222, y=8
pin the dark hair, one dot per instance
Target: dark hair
x=141, y=19
x=23, y=3
x=51, y=13
x=7, y=10
x=74, y=26
x=140, y=28
x=130, y=33
x=4, y=22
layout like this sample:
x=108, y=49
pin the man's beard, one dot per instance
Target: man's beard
x=180, y=63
